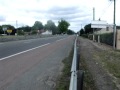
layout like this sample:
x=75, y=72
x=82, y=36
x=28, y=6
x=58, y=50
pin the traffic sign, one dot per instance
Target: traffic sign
x=4, y=28
x=98, y=24
x=9, y=31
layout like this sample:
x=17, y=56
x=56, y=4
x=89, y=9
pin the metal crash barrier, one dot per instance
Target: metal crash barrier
x=76, y=81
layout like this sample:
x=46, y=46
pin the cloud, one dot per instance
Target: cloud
x=2, y=18
x=76, y=12
x=75, y=15
x=71, y=14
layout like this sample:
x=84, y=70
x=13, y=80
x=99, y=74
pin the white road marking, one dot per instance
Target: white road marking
x=1, y=43
x=28, y=42
x=23, y=52
x=60, y=39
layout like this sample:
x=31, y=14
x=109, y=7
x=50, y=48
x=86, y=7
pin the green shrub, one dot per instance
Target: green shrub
x=20, y=32
x=34, y=32
x=90, y=36
x=107, y=38
x=85, y=35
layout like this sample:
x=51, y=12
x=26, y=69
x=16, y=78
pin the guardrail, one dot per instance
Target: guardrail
x=76, y=82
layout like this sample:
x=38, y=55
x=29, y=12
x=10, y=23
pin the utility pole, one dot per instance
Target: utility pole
x=93, y=20
x=114, y=26
x=93, y=13
x=16, y=26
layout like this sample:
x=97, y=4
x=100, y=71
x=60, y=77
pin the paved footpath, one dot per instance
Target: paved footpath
x=37, y=69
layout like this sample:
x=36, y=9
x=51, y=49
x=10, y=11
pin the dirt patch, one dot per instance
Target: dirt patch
x=90, y=53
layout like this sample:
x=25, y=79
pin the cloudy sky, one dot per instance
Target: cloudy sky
x=77, y=12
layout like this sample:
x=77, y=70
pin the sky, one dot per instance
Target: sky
x=77, y=12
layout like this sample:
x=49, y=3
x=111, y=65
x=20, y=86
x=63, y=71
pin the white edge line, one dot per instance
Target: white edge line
x=28, y=42
x=23, y=52
x=60, y=39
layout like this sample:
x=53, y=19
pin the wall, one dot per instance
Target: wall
x=118, y=40
x=108, y=29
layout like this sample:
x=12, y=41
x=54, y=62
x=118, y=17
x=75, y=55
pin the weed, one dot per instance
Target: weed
x=64, y=79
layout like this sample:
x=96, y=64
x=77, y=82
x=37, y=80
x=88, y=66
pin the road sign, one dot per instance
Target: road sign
x=9, y=31
x=4, y=28
x=98, y=24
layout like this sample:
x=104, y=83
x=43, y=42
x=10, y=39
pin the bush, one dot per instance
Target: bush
x=20, y=32
x=90, y=36
x=34, y=32
x=85, y=35
x=107, y=38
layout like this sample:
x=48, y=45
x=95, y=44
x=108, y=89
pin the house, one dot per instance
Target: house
x=47, y=32
x=108, y=29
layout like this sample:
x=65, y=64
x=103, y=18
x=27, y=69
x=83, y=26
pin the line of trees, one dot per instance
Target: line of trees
x=87, y=30
x=38, y=27
x=10, y=27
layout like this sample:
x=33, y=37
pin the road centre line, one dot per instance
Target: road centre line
x=27, y=42
x=1, y=43
x=23, y=52
x=60, y=39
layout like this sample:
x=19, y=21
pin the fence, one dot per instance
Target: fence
x=76, y=82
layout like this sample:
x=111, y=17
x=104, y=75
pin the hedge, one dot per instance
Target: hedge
x=85, y=35
x=106, y=38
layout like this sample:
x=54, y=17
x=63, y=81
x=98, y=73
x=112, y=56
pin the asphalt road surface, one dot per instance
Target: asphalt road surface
x=33, y=64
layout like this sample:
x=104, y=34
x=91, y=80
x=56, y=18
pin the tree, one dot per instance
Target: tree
x=70, y=32
x=25, y=28
x=8, y=27
x=1, y=31
x=34, y=32
x=63, y=26
x=37, y=25
x=21, y=32
x=117, y=27
x=88, y=29
x=51, y=26
x=82, y=32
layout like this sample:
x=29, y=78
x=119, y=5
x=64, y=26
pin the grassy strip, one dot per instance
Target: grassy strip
x=111, y=61
x=64, y=79
x=88, y=83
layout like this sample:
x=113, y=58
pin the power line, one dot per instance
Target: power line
x=105, y=9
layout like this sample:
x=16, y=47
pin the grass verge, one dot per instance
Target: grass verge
x=64, y=79
x=110, y=60
x=88, y=83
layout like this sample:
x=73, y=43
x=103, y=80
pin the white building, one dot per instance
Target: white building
x=108, y=29
x=47, y=33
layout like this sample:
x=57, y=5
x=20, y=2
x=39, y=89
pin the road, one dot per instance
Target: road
x=33, y=64
x=9, y=48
